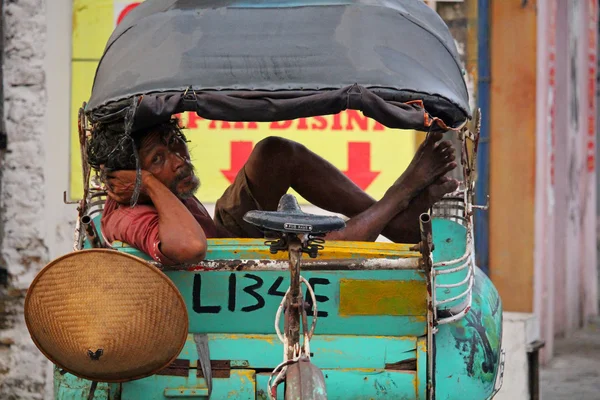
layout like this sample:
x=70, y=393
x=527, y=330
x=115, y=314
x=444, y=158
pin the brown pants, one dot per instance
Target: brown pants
x=236, y=201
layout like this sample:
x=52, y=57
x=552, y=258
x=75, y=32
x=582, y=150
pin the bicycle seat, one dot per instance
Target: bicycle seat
x=289, y=218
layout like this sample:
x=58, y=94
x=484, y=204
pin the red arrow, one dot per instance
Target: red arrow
x=359, y=164
x=240, y=151
x=126, y=11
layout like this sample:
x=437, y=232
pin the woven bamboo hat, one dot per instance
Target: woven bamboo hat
x=106, y=316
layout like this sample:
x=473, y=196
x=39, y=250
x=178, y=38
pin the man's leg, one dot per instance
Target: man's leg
x=404, y=228
x=277, y=164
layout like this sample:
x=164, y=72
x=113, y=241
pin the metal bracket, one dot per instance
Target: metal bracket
x=69, y=201
x=311, y=246
x=485, y=207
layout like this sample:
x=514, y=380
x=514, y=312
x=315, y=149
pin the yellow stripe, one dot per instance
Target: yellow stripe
x=368, y=297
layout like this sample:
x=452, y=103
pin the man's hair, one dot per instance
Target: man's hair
x=111, y=147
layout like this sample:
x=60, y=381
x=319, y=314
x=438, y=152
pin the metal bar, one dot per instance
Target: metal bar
x=483, y=103
x=294, y=298
x=457, y=316
x=453, y=285
x=90, y=231
x=463, y=294
x=426, y=247
x=462, y=258
x=370, y=264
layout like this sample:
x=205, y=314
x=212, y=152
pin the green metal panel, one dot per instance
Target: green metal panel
x=246, y=301
x=266, y=351
x=240, y=385
x=69, y=387
x=468, y=351
x=369, y=384
x=450, y=241
x=355, y=384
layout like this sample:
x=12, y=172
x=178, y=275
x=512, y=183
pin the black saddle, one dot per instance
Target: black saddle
x=289, y=218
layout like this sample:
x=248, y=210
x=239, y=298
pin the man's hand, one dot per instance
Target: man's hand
x=121, y=184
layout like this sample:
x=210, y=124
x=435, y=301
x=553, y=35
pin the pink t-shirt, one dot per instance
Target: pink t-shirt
x=138, y=226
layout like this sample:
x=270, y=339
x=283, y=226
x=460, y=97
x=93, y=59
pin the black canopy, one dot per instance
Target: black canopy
x=275, y=60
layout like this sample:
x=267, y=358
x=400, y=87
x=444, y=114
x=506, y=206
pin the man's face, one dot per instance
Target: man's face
x=168, y=159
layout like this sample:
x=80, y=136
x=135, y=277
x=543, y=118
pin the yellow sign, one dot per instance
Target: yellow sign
x=372, y=155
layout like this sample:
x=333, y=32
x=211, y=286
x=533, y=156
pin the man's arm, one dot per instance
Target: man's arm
x=182, y=239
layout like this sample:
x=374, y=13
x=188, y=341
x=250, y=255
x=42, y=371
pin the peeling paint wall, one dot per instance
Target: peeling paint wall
x=27, y=236
x=565, y=247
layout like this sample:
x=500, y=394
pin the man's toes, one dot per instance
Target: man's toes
x=449, y=158
x=450, y=186
x=437, y=190
x=442, y=146
x=447, y=168
x=447, y=187
x=433, y=137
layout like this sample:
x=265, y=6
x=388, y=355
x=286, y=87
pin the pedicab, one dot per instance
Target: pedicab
x=294, y=316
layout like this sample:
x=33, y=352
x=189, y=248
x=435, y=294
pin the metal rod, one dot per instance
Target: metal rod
x=90, y=231
x=371, y=264
x=483, y=103
x=294, y=300
x=426, y=247
x=92, y=390
x=426, y=238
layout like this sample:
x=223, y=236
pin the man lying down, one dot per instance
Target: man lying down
x=171, y=225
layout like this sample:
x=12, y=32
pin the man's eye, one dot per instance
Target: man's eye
x=157, y=159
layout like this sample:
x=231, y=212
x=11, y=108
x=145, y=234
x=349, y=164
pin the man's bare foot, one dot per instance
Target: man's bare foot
x=404, y=228
x=432, y=160
x=434, y=192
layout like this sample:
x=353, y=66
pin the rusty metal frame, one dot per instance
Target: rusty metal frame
x=305, y=265
x=426, y=249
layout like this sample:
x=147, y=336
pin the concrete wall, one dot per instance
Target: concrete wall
x=36, y=223
x=565, y=259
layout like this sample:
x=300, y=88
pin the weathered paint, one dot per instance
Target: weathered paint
x=353, y=365
x=512, y=151
x=237, y=249
x=69, y=387
x=545, y=223
x=370, y=297
x=240, y=385
x=468, y=351
x=565, y=247
x=246, y=302
x=376, y=384
x=265, y=351
x=305, y=381
x=356, y=384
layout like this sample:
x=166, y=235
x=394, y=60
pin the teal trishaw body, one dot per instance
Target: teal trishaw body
x=373, y=345
x=395, y=321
